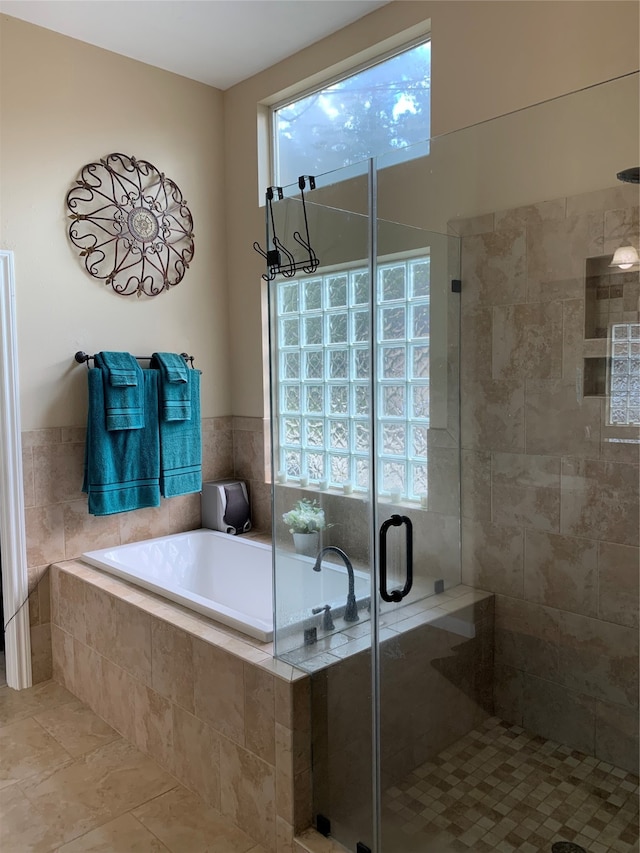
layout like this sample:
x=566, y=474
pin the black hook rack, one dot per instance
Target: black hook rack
x=274, y=255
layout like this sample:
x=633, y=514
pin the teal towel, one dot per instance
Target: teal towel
x=123, y=390
x=174, y=387
x=181, y=448
x=122, y=467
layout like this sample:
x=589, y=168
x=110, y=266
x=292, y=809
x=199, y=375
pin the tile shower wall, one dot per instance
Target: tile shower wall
x=550, y=489
x=58, y=526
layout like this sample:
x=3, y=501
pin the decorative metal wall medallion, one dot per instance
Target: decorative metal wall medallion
x=131, y=225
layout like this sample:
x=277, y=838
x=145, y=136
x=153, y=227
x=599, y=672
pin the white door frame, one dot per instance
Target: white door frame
x=15, y=584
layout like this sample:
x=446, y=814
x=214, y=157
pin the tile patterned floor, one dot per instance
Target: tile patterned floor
x=70, y=784
x=501, y=789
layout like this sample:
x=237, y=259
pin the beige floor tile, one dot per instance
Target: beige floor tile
x=27, y=750
x=76, y=727
x=122, y=835
x=96, y=788
x=19, y=704
x=21, y=828
x=184, y=823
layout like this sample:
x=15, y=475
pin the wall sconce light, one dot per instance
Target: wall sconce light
x=625, y=257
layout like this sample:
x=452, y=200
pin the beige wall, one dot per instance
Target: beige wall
x=489, y=58
x=64, y=104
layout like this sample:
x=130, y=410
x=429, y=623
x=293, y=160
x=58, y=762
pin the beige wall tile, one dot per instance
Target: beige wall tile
x=184, y=513
x=554, y=712
x=85, y=532
x=527, y=341
x=525, y=490
x=600, y=500
x=618, y=569
x=532, y=214
x=45, y=534
x=249, y=796
x=476, y=332
x=617, y=735
x=492, y=557
x=492, y=414
x=561, y=571
x=443, y=479
x=527, y=637
x=172, y=663
x=100, y=615
x=58, y=472
x=142, y=523
x=613, y=198
x=219, y=689
x=118, y=707
x=559, y=422
x=248, y=454
x=28, y=483
x=508, y=687
x=598, y=658
x=259, y=713
x=556, y=253
x=41, y=656
x=476, y=485
x=472, y=225
x=196, y=756
x=621, y=228
x=493, y=267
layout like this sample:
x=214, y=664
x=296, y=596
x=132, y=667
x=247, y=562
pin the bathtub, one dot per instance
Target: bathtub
x=229, y=579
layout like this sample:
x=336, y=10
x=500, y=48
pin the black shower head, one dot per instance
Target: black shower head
x=630, y=176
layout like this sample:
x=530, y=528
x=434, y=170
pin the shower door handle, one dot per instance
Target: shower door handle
x=395, y=594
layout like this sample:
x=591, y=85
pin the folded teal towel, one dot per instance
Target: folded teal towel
x=174, y=387
x=123, y=398
x=122, y=467
x=181, y=448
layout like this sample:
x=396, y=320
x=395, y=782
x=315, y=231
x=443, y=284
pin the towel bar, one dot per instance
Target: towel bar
x=82, y=357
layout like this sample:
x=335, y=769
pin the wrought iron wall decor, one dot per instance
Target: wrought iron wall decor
x=273, y=255
x=131, y=224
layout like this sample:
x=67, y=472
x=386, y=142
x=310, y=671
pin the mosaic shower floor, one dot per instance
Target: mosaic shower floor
x=502, y=789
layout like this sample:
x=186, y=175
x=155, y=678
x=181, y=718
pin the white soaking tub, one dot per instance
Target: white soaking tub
x=229, y=579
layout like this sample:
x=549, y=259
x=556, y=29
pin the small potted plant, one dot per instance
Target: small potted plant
x=305, y=521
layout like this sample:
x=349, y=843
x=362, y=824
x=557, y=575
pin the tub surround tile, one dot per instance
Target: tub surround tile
x=249, y=797
x=88, y=676
x=84, y=532
x=259, y=713
x=124, y=833
x=63, y=668
x=219, y=690
x=153, y=725
x=196, y=756
x=68, y=604
x=41, y=656
x=132, y=642
x=172, y=663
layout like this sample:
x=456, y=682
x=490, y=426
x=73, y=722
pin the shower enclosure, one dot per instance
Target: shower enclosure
x=455, y=382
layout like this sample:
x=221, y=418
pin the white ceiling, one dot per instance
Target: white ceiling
x=218, y=42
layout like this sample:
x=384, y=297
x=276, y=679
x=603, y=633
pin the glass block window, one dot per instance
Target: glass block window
x=624, y=390
x=324, y=377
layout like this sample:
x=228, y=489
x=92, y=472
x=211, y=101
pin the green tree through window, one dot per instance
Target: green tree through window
x=382, y=108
